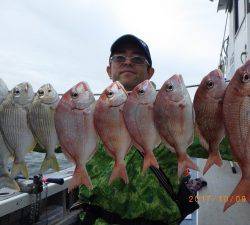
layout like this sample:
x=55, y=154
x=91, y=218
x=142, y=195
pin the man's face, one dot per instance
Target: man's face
x=128, y=73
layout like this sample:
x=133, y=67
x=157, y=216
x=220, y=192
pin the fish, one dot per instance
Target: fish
x=208, y=102
x=5, y=153
x=14, y=126
x=236, y=114
x=41, y=121
x=75, y=129
x=111, y=128
x=174, y=119
x=3, y=91
x=5, y=179
x=139, y=119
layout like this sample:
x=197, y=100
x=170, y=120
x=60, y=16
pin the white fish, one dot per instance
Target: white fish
x=41, y=120
x=16, y=133
x=5, y=154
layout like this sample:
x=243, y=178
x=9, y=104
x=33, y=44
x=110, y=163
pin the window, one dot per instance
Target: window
x=236, y=16
x=239, y=13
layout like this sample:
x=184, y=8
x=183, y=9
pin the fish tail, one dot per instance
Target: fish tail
x=20, y=167
x=149, y=160
x=6, y=181
x=214, y=158
x=184, y=162
x=119, y=170
x=240, y=194
x=80, y=176
x=50, y=162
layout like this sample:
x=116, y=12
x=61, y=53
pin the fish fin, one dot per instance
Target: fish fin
x=67, y=154
x=149, y=160
x=54, y=105
x=80, y=176
x=6, y=142
x=203, y=141
x=194, y=116
x=20, y=167
x=158, y=142
x=32, y=146
x=168, y=146
x=138, y=147
x=119, y=170
x=36, y=139
x=214, y=158
x=6, y=181
x=242, y=191
x=185, y=162
x=50, y=162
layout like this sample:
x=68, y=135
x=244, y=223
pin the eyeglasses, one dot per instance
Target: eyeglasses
x=139, y=60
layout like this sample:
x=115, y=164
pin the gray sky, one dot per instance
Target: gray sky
x=65, y=41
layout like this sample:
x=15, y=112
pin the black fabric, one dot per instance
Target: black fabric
x=187, y=200
x=93, y=212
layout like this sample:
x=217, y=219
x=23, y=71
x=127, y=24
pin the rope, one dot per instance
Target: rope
x=223, y=40
x=187, y=86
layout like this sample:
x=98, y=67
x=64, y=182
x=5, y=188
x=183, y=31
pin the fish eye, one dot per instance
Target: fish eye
x=245, y=78
x=49, y=90
x=141, y=92
x=16, y=91
x=74, y=95
x=40, y=92
x=110, y=94
x=170, y=87
x=210, y=84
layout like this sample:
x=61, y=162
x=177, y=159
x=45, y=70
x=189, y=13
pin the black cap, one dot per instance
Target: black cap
x=129, y=38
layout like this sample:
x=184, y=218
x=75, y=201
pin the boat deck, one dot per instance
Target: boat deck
x=17, y=200
x=221, y=183
x=15, y=207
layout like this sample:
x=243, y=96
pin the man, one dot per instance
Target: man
x=130, y=61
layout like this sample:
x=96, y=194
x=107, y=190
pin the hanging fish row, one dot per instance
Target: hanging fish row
x=143, y=118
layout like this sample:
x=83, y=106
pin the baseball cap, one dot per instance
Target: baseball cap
x=129, y=38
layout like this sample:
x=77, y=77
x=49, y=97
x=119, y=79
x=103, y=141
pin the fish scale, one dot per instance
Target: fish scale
x=245, y=118
x=41, y=121
x=15, y=119
x=236, y=130
x=44, y=135
x=5, y=179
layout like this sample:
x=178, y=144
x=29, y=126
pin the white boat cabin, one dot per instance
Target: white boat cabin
x=236, y=43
